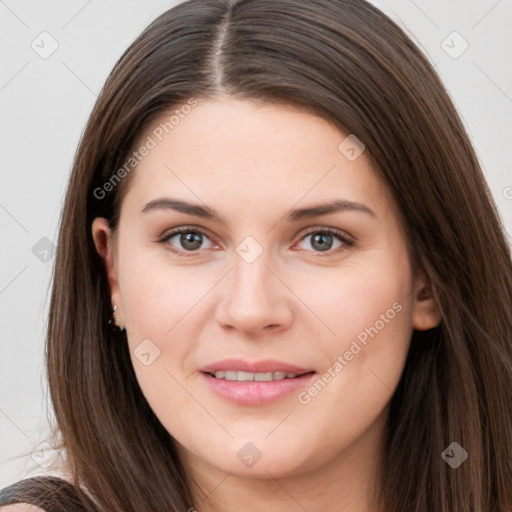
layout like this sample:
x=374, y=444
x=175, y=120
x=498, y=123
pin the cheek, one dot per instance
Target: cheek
x=370, y=314
x=163, y=306
x=157, y=302
x=156, y=294
x=374, y=290
x=368, y=310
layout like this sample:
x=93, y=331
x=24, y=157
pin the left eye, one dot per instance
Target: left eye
x=322, y=240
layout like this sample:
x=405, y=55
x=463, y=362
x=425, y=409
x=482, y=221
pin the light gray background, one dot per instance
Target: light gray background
x=44, y=106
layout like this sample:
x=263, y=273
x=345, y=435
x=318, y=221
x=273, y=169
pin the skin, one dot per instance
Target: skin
x=253, y=163
x=21, y=507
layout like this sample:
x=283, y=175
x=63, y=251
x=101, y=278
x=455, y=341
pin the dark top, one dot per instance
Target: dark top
x=50, y=493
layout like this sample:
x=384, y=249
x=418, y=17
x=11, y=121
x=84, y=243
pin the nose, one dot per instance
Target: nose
x=254, y=299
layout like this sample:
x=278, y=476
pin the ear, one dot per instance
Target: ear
x=426, y=313
x=103, y=240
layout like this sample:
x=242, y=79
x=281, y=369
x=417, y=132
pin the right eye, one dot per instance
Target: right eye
x=190, y=239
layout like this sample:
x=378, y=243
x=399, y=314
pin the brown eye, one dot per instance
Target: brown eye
x=185, y=240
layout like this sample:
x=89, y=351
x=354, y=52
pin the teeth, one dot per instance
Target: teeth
x=264, y=377
x=250, y=376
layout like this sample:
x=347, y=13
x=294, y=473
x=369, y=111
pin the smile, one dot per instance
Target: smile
x=255, y=383
x=251, y=376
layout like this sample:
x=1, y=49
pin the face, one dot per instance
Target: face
x=310, y=310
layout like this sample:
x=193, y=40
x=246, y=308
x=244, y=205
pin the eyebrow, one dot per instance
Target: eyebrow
x=308, y=212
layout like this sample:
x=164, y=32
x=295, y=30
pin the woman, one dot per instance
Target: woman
x=281, y=278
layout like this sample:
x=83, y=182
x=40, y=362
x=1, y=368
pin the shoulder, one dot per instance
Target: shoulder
x=21, y=507
x=39, y=494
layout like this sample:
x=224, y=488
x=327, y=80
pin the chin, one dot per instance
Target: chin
x=260, y=458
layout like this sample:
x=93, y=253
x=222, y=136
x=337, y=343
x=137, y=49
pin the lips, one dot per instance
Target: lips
x=254, y=382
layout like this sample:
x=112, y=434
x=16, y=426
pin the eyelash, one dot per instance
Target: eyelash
x=330, y=231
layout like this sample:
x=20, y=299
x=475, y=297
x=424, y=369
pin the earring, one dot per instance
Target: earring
x=116, y=319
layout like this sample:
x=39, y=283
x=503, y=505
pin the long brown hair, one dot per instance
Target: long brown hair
x=346, y=61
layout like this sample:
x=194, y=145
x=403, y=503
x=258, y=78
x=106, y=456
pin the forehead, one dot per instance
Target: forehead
x=238, y=151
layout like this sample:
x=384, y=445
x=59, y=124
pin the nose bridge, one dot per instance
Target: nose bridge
x=250, y=279
x=254, y=298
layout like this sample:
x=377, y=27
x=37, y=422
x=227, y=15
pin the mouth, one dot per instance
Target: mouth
x=255, y=383
x=234, y=375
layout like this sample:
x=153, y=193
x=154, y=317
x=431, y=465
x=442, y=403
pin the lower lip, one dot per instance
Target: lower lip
x=256, y=393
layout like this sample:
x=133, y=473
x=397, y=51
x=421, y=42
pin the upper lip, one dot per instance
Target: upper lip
x=262, y=366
